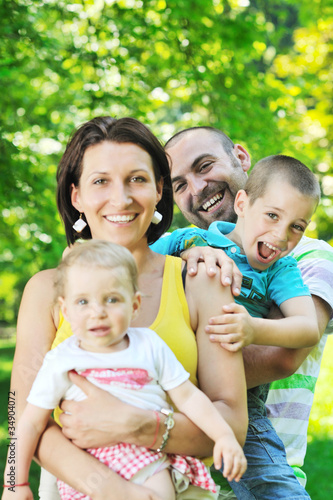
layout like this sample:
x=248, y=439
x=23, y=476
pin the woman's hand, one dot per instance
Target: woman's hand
x=234, y=329
x=99, y=420
x=216, y=260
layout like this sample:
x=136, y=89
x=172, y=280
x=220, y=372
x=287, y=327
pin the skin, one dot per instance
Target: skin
x=202, y=170
x=263, y=364
x=118, y=181
x=99, y=306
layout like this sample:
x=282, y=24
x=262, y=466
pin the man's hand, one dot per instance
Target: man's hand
x=233, y=329
x=215, y=261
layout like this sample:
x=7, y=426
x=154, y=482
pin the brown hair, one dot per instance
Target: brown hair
x=96, y=253
x=123, y=130
x=283, y=167
x=226, y=142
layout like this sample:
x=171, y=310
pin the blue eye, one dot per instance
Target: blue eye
x=111, y=300
x=82, y=302
x=271, y=215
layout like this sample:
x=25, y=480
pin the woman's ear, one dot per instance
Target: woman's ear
x=75, y=198
x=241, y=201
x=159, y=190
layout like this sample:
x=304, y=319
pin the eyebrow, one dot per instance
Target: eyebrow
x=194, y=165
x=277, y=209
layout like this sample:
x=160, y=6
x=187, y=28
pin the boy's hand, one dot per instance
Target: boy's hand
x=234, y=329
x=18, y=493
x=234, y=461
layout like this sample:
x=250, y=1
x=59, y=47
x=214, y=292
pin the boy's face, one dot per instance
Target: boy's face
x=99, y=304
x=273, y=225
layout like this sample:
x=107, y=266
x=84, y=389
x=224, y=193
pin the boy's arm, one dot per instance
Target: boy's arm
x=199, y=408
x=298, y=328
x=237, y=328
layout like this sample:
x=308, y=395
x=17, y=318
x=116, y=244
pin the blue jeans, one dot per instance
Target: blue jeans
x=268, y=475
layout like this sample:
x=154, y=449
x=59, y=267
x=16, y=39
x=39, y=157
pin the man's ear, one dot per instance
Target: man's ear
x=136, y=304
x=243, y=156
x=75, y=198
x=241, y=201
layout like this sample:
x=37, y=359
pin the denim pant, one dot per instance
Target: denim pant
x=268, y=475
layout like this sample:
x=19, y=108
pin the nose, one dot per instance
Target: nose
x=119, y=195
x=281, y=232
x=98, y=310
x=196, y=184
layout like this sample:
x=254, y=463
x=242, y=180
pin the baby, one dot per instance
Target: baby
x=96, y=285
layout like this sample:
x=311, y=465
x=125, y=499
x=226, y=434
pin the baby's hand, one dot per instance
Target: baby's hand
x=17, y=493
x=234, y=329
x=234, y=461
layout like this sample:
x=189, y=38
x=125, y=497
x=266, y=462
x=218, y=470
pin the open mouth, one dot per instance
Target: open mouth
x=267, y=252
x=99, y=331
x=121, y=219
x=213, y=202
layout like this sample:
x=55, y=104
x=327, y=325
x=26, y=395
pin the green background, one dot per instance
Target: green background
x=259, y=70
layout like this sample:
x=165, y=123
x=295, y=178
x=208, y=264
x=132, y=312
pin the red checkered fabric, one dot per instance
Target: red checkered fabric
x=128, y=459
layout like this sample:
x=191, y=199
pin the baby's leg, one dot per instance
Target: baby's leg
x=161, y=484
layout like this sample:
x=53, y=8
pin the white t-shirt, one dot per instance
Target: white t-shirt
x=138, y=375
x=290, y=400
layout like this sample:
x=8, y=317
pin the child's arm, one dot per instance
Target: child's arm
x=236, y=328
x=29, y=429
x=199, y=408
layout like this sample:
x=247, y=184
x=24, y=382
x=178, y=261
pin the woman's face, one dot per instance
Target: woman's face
x=117, y=192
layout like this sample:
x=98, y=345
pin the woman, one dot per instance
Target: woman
x=114, y=175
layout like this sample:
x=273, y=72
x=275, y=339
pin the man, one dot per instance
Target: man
x=207, y=169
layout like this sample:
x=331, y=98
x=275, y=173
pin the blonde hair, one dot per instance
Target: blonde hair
x=96, y=253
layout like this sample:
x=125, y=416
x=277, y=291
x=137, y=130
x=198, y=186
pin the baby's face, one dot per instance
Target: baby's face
x=273, y=225
x=99, y=304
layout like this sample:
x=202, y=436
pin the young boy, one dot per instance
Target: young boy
x=96, y=284
x=273, y=210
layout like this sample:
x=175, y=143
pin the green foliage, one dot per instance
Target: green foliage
x=260, y=70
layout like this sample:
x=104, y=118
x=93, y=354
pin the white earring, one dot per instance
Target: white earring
x=157, y=217
x=79, y=225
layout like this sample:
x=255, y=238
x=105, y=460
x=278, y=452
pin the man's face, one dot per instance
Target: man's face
x=205, y=178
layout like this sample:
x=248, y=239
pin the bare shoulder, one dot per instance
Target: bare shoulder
x=38, y=296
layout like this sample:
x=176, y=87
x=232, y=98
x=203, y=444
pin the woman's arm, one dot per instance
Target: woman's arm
x=199, y=408
x=36, y=329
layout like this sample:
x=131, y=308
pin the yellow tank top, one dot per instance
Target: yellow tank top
x=172, y=322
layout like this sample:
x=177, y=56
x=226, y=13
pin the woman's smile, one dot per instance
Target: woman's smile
x=117, y=192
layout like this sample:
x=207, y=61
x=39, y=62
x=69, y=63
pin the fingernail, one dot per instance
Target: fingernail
x=191, y=270
x=212, y=270
x=227, y=281
x=237, y=290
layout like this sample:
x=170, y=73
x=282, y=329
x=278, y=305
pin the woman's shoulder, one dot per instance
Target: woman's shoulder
x=40, y=288
x=43, y=279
